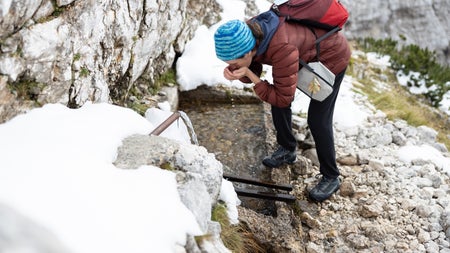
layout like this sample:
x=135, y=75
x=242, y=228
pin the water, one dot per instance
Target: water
x=190, y=127
x=235, y=133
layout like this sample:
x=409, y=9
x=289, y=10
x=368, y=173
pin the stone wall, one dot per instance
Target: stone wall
x=72, y=51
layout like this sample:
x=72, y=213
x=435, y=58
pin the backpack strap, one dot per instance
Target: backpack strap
x=310, y=23
x=326, y=35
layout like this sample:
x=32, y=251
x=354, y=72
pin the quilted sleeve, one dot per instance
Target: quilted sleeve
x=284, y=71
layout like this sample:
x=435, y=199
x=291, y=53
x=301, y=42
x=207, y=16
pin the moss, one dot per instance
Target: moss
x=167, y=166
x=139, y=108
x=56, y=9
x=27, y=89
x=146, y=87
x=165, y=78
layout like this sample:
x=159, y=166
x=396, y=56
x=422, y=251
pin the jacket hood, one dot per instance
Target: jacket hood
x=269, y=22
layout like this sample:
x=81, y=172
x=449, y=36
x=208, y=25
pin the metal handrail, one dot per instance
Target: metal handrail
x=165, y=124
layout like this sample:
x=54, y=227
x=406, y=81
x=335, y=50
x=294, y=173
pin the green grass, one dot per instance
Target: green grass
x=230, y=234
x=76, y=57
x=234, y=236
x=166, y=78
x=397, y=102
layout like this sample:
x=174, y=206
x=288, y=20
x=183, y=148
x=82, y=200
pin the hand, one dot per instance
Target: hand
x=233, y=73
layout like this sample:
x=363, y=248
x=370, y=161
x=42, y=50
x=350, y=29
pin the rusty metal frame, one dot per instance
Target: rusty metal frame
x=165, y=124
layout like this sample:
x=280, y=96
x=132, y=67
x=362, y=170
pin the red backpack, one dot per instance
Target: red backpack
x=329, y=15
x=323, y=14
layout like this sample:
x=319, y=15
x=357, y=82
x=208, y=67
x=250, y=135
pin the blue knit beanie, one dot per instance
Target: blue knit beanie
x=233, y=40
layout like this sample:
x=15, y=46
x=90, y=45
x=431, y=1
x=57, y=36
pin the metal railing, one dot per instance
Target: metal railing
x=165, y=124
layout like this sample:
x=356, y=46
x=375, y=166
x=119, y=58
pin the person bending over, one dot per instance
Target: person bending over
x=267, y=39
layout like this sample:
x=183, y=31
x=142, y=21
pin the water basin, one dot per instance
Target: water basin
x=233, y=129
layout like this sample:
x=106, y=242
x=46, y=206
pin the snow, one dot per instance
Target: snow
x=56, y=168
x=57, y=163
x=229, y=196
x=403, y=79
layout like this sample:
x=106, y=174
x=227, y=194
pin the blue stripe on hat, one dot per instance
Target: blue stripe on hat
x=233, y=40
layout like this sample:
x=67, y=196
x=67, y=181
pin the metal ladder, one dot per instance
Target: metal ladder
x=286, y=197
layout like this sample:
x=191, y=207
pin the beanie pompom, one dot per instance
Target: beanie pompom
x=233, y=40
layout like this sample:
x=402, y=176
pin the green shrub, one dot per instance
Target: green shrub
x=27, y=89
x=413, y=58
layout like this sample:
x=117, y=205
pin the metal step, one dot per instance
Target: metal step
x=260, y=194
x=265, y=195
x=285, y=187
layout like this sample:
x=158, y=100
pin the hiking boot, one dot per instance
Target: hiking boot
x=324, y=189
x=280, y=157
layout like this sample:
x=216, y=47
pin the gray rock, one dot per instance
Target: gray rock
x=347, y=188
x=371, y=210
x=399, y=138
x=375, y=136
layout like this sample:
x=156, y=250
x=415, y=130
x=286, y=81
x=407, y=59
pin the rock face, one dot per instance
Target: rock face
x=74, y=51
x=422, y=22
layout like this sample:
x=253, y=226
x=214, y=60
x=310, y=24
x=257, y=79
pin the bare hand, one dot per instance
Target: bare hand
x=233, y=73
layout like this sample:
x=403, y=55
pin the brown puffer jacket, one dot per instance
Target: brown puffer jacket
x=290, y=42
